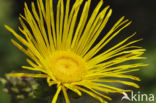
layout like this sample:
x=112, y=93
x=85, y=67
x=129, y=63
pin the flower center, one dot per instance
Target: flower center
x=67, y=66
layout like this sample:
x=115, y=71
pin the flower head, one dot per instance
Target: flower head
x=64, y=49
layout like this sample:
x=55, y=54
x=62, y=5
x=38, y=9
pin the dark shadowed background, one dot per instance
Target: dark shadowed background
x=141, y=12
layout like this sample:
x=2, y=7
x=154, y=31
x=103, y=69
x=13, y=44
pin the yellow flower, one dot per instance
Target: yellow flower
x=69, y=55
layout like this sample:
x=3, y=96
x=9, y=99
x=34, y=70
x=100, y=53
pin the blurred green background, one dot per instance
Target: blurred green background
x=141, y=12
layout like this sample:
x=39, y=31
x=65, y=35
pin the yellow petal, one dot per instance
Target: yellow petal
x=56, y=95
x=27, y=75
x=65, y=95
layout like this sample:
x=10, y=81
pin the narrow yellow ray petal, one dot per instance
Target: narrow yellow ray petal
x=26, y=32
x=48, y=23
x=40, y=20
x=35, y=29
x=94, y=50
x=32, y=63
x=117, y=81
x=27, y=75
x=41, y=7
x=88, y=83
x=51, y=82
x=40, y=48
x=100, y=29
x=36, y=66
x=116, y=33
x=24, y=50
x=52, y=22
x=117, y=68
x=121, y=24
x=73, y=89
x=123, y=47
x=34, y=69
x=121, y=59
x=89, y=24
x=34, y=11
x=101, y=20
x=65, y=24
x=91, y=94
x=111, y=74
x=65, y=94
x=35, y=59
x=110, y=38
x=72, y=25
x=131, y=66
x=127, y=71
x=56, y=95
x=61, y=21
x=120, y=54
x=98, y=93
x=104, y=96
x=106, y=88
x=58, y=40
x=21, y=39
x=30, y=40
x=81, y=24
x=20, y=47
x=66, y=13
x=114, y=47
x=125, y=55
x=111, y=87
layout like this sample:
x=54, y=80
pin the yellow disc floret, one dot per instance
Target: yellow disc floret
x=66, y=66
